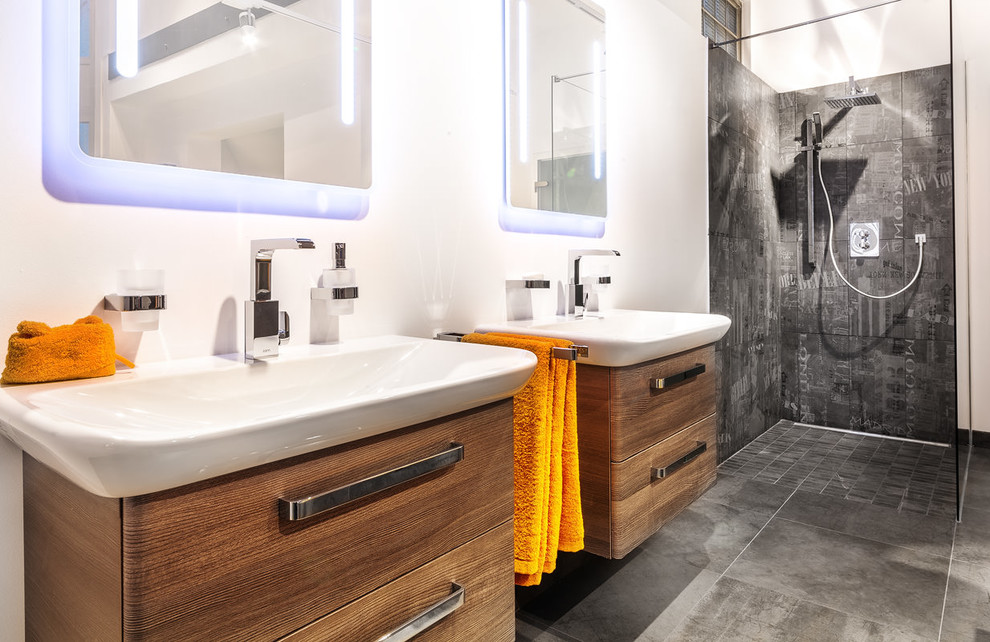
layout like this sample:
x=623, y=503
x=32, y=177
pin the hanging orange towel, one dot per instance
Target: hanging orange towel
x=565, y=523
x=571, y=517
x=39, y=353
x=561, y=523
x=531, y=449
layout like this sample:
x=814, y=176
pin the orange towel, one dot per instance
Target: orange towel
x=39, y=353
x=531, y=448
x=571, y=517
x=553, y=484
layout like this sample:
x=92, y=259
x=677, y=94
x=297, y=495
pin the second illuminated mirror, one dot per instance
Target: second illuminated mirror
x=555, y=107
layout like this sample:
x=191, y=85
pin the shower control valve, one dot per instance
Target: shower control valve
x=864, y=240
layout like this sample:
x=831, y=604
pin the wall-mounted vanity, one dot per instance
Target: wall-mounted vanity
x=214, y=499
x=646, y=417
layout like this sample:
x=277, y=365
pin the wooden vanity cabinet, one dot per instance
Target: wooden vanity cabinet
x=646, y=452
x=215, y=560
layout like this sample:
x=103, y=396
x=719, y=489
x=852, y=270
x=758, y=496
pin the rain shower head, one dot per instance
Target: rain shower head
x=855, y=98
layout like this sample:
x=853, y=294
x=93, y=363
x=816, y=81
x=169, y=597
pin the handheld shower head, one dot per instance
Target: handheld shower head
x=813, y=131
x=856, y=97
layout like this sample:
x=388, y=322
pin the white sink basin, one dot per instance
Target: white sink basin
x=624, y=337
x=166, y=424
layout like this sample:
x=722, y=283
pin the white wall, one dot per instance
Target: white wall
x=971, y=100
x=910, y=34
x=687, y=10
x=430, y=254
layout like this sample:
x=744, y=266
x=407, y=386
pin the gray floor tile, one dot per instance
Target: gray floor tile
x=637, y=598
x=533, y=631
x=967, y=604
x=973, y=536
x=978, y=480
x=927, y=534
x=878, y=582
x=707, y=535
x=679, y=609
x=738, y=611
x=747, y=494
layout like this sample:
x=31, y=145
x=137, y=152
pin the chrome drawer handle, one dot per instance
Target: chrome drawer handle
x=661, y=473
x=297, y=509
x=429, y=617
x=660, y=384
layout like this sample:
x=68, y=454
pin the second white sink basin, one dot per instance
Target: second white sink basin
x=167, y=424
x=623, y=337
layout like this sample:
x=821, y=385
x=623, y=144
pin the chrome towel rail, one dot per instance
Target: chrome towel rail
x=566, y=354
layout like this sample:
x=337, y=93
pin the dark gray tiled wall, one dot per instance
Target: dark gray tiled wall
x=848, y=361
x=743, y=240
x=802, y=345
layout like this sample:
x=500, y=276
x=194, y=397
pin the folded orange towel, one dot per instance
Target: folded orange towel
x=39, y=353
x=547, y=490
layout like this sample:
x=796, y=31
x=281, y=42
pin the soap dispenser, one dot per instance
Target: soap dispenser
x=341, y=283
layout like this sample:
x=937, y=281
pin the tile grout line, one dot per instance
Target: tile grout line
x=948, y=578
x=913, y=551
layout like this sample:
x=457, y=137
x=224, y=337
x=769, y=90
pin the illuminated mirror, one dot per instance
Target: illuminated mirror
x=240, y=105
x=555, y=159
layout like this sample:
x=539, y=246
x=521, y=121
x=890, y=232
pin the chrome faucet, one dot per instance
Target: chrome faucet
x=265, y=327
x=575, y=290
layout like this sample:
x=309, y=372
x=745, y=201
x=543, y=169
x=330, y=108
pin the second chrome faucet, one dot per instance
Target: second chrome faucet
x=265, y=326
x=575, y=290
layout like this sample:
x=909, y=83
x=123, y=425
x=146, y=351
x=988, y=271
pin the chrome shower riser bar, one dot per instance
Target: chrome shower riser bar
x=716, y=45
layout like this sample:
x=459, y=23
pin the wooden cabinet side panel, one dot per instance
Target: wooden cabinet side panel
x=593, y=456
x=214, y=561
x=640, y=505
x=483, y=567
x=71, y=560
x=642, y=417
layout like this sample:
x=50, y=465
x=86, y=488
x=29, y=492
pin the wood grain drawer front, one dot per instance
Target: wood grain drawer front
x=71, y=560
x=482, y=568
x=214, y=560
x=642, y=416
x=642, y=504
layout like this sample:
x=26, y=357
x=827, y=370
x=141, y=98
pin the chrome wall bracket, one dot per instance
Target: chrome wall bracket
x=334, y=293
x=133, y=302
x=529, y=284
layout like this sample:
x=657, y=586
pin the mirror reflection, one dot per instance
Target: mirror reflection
x=555, y=102
x=272, y=89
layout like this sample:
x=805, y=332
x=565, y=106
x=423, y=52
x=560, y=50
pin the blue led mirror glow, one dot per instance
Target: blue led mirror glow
x=554, y=158
x=71, y=175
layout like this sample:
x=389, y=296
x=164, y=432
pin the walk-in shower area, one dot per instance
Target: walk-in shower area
x=805, y=345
